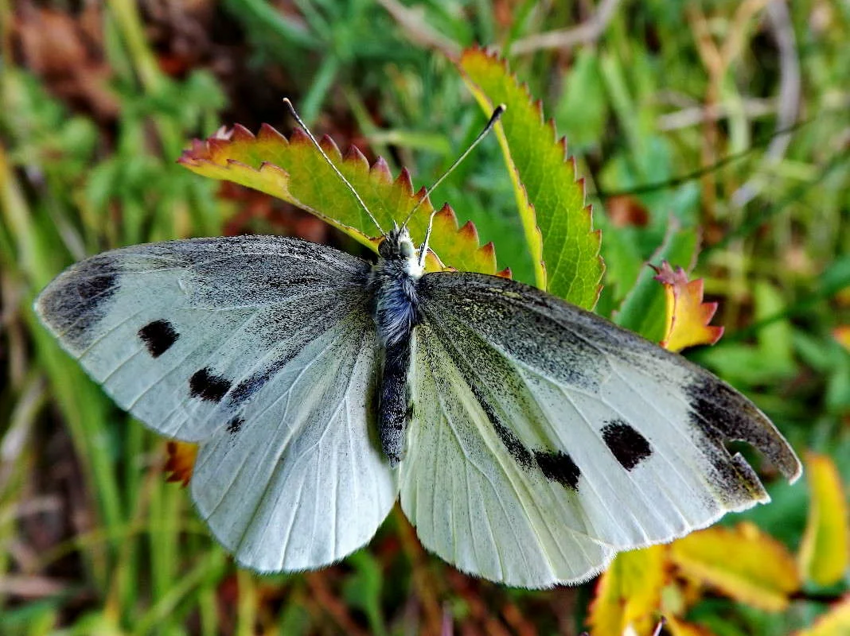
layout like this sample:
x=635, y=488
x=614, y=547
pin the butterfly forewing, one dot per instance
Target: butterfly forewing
x=563, y=431
x=184, y=333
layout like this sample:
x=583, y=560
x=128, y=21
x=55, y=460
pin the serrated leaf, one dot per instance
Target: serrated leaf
x=836, y=622
x=824, y=552
x=557, y=223
x=643, y=309
x=742, y=562
x=628, y=595
x=687, y=316
x=293, y=170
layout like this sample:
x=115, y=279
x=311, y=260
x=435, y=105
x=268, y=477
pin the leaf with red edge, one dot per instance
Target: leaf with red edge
x=293, y=170
x=687, y=316
x=181, y=461
x=558, y=225
x=628, y=595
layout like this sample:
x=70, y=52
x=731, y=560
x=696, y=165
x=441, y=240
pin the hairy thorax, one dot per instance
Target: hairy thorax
x=393, y=285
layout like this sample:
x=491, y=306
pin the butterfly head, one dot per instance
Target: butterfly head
x=398, y=246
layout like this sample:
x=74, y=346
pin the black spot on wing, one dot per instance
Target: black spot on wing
x=234, y=425
x=158, y=337
x=628, y=446
x=204, y=384
x=558, y=466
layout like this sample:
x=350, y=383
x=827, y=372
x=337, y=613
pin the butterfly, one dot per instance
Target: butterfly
x=528, y=440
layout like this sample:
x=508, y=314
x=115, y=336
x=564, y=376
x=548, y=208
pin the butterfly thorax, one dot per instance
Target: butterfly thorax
x=393, y=286
x=395, y=308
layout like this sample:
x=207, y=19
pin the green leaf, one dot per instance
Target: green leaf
x=293, y=170
x=583, y=108
x=557, y=223
x=775, y=340
x=771, y=359
x=363, y=590
x=623, y=260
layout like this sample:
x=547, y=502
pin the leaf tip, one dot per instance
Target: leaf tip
x=468, y=232
x=240, y=133
x=299, y=137
x=328, y=145
x=380, y=170
x=271, y=134
x=404, y=181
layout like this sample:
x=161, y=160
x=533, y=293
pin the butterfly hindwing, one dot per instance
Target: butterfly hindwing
x=467, y=487
x=568, y=438
x=307, y=483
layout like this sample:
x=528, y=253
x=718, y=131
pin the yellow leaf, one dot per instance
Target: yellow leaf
x=675, y=627
x=181, y=461
x=742, y=562
x=842, y=334
x=628, y=595
x=687, y=316
x=824, y=552
x=836, y=622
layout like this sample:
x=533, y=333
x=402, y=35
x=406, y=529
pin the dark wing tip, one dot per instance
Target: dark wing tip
x=716, y=404
x=74, y=302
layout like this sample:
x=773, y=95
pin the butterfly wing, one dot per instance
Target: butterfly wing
x=307, y=483
x=545, y=439
x=262, y=350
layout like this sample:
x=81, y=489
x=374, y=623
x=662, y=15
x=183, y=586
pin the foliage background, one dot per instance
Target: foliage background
x=671, y=110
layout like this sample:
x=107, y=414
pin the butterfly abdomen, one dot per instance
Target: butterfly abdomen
x=395, y=308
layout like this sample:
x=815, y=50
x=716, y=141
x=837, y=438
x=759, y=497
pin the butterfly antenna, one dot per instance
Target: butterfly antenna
x=497, y=113
x=331, y=164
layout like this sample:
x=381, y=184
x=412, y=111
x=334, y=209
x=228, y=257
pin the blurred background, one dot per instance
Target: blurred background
x=727, y=116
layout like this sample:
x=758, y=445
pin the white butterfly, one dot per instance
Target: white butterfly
x=529, y=440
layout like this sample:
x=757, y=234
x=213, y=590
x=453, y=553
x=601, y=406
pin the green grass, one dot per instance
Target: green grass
x=93, y=540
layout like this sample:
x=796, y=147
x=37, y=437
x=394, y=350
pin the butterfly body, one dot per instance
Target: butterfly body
x=395, y=308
